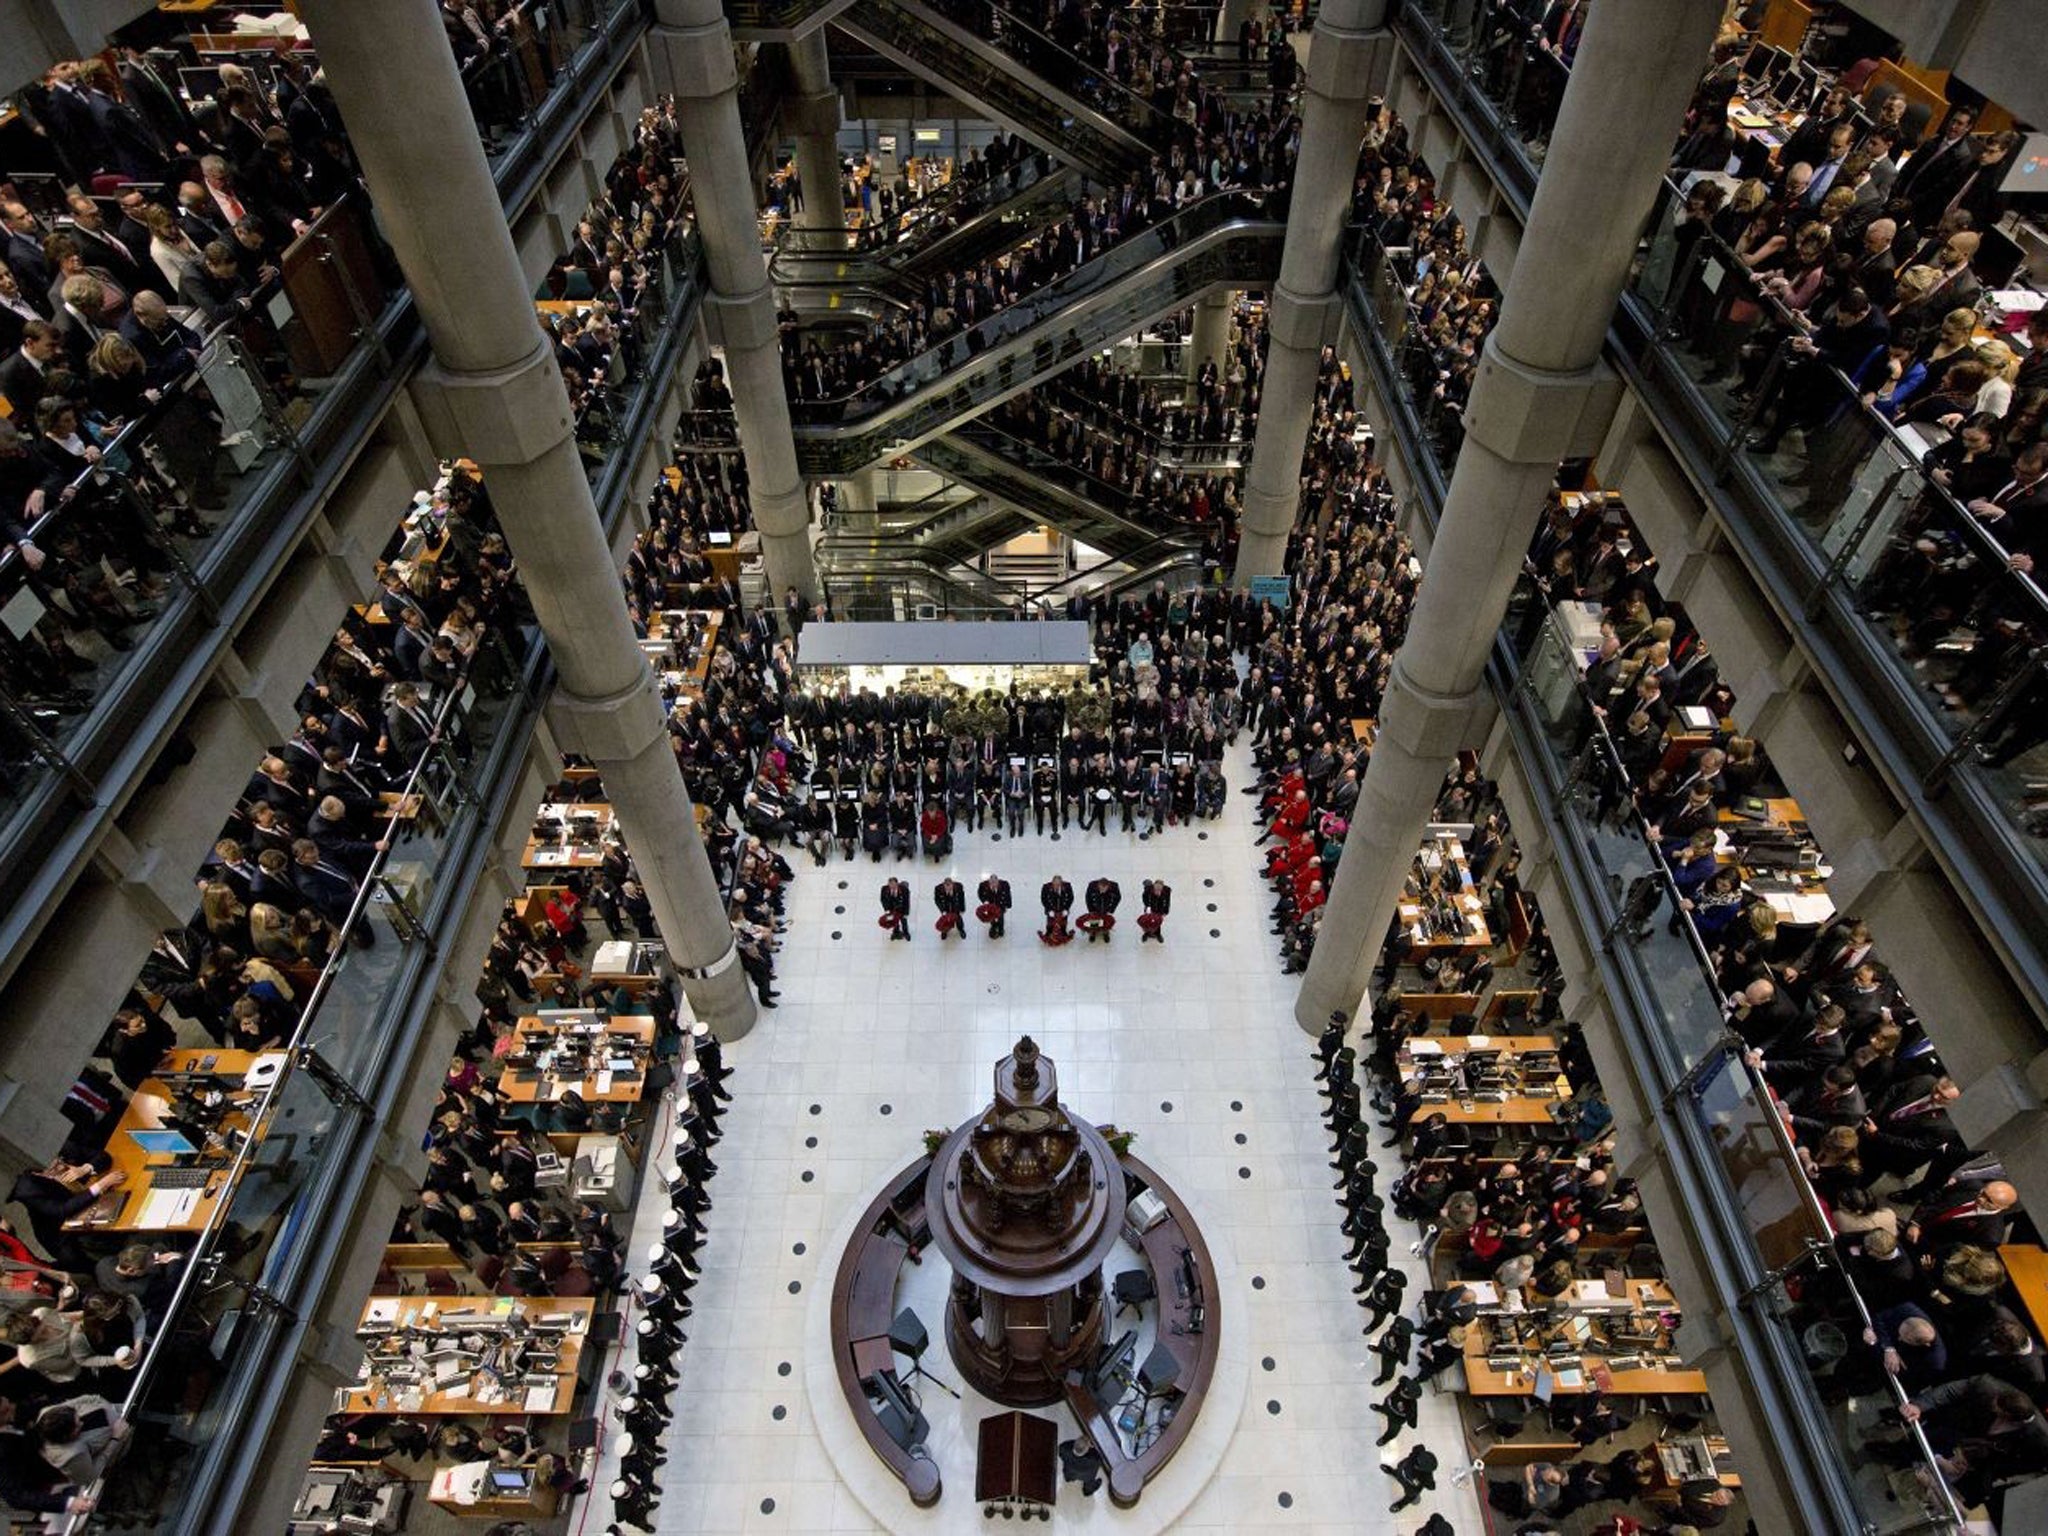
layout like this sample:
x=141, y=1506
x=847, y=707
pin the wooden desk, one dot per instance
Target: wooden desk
x=1482, y=1380
x=1518, y=1109
x=559, y=853
x=548, y=1088
x=1456, y=878
x=1366, y=732
x=425, y=1313
x=1195, y=1353
x=2026, y=1266
x=864, y=1304
x=466, y=1490
x=129, y=1208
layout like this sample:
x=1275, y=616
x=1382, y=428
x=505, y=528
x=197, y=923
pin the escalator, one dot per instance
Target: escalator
x=1222, y=241
x=1017, y=76
x=1049, y=491
x=941, y=234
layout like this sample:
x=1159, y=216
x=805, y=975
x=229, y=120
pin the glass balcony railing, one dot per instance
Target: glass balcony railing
x=144, y=556
x=1493, y=50
x=256, y=1253
x=1936, y=621
x=1793, y=1287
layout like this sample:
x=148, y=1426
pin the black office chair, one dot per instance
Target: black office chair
x=573, y=1111
x=1644, y=1262
x=1159, y=1374
x=1505, y=1417
x=907, y=1336
x=1133, y=1288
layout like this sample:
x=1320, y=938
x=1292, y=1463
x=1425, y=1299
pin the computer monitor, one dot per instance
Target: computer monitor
x=1999, y=258
x=2027, y=172
x=163, y=1143
x=1763, y=61
x=508, y=1480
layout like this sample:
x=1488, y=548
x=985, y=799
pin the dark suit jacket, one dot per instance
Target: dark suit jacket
x=1056, y=896
x=1104, y=896
x=950, y=896
x=896, y=899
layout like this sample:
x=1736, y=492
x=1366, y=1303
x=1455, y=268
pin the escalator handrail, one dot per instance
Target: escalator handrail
x=1169, y=240
x=927, y=211
x=1117, y=142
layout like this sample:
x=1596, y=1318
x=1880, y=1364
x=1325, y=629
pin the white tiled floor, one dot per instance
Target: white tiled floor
x=874, y=1042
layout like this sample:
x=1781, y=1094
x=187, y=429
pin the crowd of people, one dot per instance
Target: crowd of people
x=955, y=302
x=105, y=302
x=1918, y=1217
x=1136, y=53
x=1451, y=300
x=1857, y=254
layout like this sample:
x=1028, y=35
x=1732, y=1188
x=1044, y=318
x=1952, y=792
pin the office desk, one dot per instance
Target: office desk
x=1482, y=1380
x=1365, y=732
x=548, y=1088
x=425, y=1314
x=1456, y=877
x=2026, y=1265
x=1810, y=904
x=466, y=1489
x=693, y=664
x=560, y=850
x=1516, y=1109
x=136, y=1206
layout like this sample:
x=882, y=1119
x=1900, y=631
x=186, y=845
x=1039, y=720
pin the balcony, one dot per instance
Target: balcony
x=1826, y=556
x=297, y=380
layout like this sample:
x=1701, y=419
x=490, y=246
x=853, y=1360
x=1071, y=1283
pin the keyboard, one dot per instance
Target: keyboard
x=179, y=1178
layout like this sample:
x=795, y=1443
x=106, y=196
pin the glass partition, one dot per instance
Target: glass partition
x=1766, y=1172
x=1859, y=513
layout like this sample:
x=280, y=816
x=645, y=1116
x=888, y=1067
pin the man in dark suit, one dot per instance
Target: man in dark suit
x=1951, y=1218
x=1103, y=897
x=1936, y=171
x=330, y=891
x=17, y=309
x=132, y=149
x=1056, y=896
x=950, y=897
x=994, y=893
x=408, y=726
x=23, y=248
x=133, y=270
x=23, y=373
x=896, y=904
x=1158, y=899
x=1910, y=1127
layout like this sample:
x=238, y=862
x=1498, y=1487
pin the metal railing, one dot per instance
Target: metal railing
x=298, y=1123
x=294, y=380
x=1702, y=1068
x=1903, y=588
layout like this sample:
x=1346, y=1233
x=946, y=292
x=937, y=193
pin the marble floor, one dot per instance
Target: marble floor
x=1190, y=1044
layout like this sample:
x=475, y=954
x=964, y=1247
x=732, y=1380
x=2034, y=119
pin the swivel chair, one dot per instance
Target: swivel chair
x=907, y=1336
x=1133, y=1288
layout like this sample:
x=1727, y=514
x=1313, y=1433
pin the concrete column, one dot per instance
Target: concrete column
x=696, y=44
x=1344, y=59
x=814, y=117
x=1230, y=16
x=493, y=391
x=1540, y=395
x=1212, y=332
